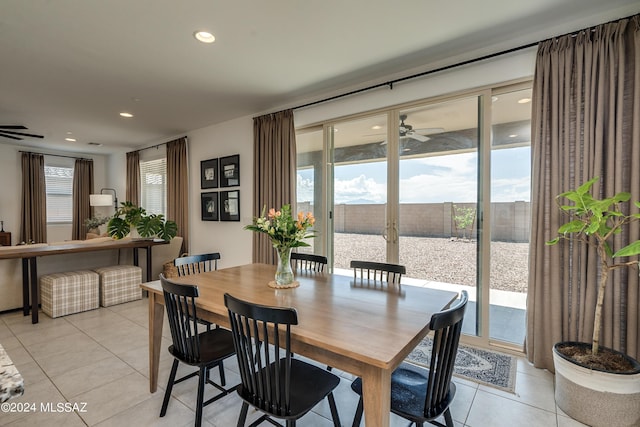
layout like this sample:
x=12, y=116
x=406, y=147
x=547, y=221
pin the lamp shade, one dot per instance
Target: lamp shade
x=100, y=199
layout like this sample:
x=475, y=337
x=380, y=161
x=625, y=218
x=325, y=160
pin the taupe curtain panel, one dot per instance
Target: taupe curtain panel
x=585, y=123
x=178, y=188
x=133, y=178
x=82, y=187
x=33, y=227
x=274, y=166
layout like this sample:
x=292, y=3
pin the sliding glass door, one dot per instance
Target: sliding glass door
x=440, y=187
x=438, y=194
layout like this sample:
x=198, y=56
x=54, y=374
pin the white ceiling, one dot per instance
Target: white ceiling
x=73, y=65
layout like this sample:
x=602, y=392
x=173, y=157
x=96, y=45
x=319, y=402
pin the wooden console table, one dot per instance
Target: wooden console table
x=29, y=253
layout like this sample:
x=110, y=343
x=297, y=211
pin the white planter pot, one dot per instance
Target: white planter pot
x=597, y=398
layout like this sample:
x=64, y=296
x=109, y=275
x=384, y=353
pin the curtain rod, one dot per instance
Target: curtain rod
x=157, y=145
x=390, y=83
x=55, y=155
x=148, y=148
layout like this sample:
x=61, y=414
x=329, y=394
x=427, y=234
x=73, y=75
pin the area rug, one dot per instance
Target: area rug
x=482, y=366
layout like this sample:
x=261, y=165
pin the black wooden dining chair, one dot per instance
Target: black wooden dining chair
x=272, y=380
x=195, y=264
x=377, y=271
x=422, y=395
x=308, y=262
x=204, y=350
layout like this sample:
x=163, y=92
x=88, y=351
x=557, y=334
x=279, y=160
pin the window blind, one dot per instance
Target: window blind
x=59, y=188
x=153, y=179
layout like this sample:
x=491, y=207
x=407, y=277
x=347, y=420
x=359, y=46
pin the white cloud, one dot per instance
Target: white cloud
x=359, y=189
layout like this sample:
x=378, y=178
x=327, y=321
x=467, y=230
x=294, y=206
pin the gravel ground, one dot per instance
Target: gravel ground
x=440, y=260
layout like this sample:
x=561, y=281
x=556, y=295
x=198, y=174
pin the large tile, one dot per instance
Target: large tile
x=76, y=357
x=80, y=380
x=20, y=357
x=564, y=421
x=20, y=324
x=147, y=413
x=49, y=419
x=492, y=410
x=33, y=397
x=46, y=347
x=34, y=337
x=32, y=373
x=97, y=320
x=534, y=390
x=122, y=338
x=105, y=401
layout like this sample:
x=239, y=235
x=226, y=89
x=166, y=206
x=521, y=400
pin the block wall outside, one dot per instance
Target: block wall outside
x=510, y=220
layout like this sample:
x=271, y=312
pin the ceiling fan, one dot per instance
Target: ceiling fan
x=12, y=134
x=407, y=131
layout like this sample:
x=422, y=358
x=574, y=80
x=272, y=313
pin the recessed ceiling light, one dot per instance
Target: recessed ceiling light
x=513, y=135
x=70, y=139
x=494, y=98
x=204, y=36
x=376, y=127
x=524, y=100
x=127, y=115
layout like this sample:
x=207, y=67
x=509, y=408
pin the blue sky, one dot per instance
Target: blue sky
x=450, y=178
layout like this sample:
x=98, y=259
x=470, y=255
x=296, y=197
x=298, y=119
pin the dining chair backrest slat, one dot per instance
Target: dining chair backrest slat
x=377, y=271
x=196, y=264
x=308, y=262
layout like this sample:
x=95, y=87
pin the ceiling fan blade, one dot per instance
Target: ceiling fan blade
x=418, y=137
x=429, y=131
x=20, y=133
x=9, y=136
x=12, y=127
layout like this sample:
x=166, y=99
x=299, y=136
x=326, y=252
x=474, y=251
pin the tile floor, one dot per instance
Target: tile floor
x=98, y=360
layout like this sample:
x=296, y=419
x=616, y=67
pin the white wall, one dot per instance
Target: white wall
x=228, y=238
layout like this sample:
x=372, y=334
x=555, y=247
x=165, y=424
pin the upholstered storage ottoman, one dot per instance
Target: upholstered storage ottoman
x=119, y=283
x=69, y=292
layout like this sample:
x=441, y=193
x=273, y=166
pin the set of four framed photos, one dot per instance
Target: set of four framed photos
x=222, y=172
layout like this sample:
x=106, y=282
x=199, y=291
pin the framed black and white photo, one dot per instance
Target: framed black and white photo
x=230, y=205
x=209, y=206
x=209, y=173
x=230, y=171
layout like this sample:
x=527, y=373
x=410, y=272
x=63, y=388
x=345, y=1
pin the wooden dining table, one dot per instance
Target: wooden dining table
x=361, y=327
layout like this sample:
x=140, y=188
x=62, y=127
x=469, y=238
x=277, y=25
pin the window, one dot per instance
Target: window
x=153, y=178
x=59, y=185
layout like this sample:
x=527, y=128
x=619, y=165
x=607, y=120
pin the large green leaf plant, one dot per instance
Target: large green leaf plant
x=130, y=216
x=595, y=222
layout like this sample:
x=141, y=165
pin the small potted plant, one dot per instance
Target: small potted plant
x=93, y=224
x=594, y=384
x=130, y=217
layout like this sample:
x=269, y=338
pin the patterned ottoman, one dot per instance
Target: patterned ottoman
x=119, y=283
x=69, y=292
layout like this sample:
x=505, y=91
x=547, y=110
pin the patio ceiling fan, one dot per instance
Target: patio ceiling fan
x=407, y=131
x=9, y=131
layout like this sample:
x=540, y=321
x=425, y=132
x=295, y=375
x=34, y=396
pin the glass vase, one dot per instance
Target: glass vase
x=284, y=273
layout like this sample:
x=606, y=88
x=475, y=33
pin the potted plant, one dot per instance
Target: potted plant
x=130, y=217
x=94, y=223
x=594, y=384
